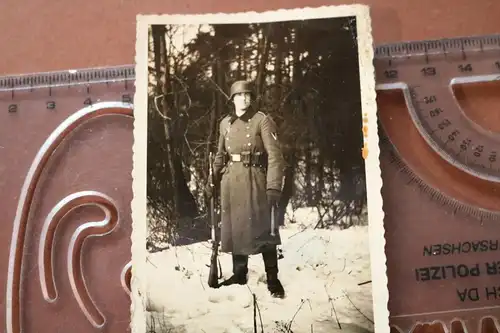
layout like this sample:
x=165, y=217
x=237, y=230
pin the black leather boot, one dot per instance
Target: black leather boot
x=271, y=264
x=240, y=271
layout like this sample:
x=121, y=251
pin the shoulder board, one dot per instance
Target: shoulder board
x=261, y=115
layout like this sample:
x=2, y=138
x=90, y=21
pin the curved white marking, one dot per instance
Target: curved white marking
x=71, y=275
x=123, y=277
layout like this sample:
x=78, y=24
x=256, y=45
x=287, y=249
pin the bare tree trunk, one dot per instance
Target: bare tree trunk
x=212, y=136
x=216, y=100
x=162, y=77
x=182, y=200
x=218, y=73
x=308, y=176
x=289, y=152
x=241, y=59
x=264, y=56
x=244, y=61
x=221, y=67
x=320, y=184
x=299, y=109
x=278, y=93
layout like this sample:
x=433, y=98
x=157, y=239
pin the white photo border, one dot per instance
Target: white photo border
x=380, y=293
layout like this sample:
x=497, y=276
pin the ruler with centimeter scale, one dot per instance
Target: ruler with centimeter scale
x=66, y=142
x=440, y=165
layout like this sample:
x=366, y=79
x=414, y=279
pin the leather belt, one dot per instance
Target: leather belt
x=248, y=159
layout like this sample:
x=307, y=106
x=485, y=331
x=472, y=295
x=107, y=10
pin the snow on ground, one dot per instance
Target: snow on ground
x=320, y=272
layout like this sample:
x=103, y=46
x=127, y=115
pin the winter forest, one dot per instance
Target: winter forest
x=306, y=76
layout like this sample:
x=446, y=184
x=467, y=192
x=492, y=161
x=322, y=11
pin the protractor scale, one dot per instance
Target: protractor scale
x=441, y=171
x=427, y=72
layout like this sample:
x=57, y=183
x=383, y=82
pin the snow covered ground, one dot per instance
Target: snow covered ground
x=321, y=272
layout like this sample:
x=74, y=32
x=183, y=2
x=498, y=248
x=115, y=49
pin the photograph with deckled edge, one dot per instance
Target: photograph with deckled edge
x=257, y=201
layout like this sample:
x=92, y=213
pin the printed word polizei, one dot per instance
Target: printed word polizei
x=446, y=272
x=455, y=271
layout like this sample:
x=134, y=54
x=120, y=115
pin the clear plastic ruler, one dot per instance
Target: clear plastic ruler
x=66, y=142
x=441, y=167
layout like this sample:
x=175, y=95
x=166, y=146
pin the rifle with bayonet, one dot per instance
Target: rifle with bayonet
x=213, y=276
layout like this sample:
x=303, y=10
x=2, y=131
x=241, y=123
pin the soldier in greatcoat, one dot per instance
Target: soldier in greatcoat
x=249, y=170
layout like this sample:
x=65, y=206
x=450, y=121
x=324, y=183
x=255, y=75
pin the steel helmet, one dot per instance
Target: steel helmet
x=240, y=87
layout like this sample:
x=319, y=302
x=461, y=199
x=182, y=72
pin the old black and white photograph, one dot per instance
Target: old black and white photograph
x=257, y=202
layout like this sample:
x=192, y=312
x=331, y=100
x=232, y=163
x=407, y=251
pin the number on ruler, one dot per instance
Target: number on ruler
x=12, y=108
x=465, y=68
x=429, y=71
x=126, y=98
x=493, y=157
x=435, y=112
x=429, y=99
x=465, y=144
x=87, y=101
x=445, y=123
x=51, y=105
x=453, y=135
x=391, y=74
x=478, y=150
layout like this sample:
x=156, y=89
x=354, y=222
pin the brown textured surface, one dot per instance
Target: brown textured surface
x=95, y=157
x=40, y=37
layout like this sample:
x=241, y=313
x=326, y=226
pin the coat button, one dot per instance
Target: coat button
x=248, y=135
x=249, y=144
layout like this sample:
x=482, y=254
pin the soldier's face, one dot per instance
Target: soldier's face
x=241, y=101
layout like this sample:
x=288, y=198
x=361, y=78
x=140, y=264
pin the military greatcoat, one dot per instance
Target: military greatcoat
x=245, y=212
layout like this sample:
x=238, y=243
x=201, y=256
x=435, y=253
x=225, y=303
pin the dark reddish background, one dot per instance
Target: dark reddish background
x=41, y=37
x=38, y=37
